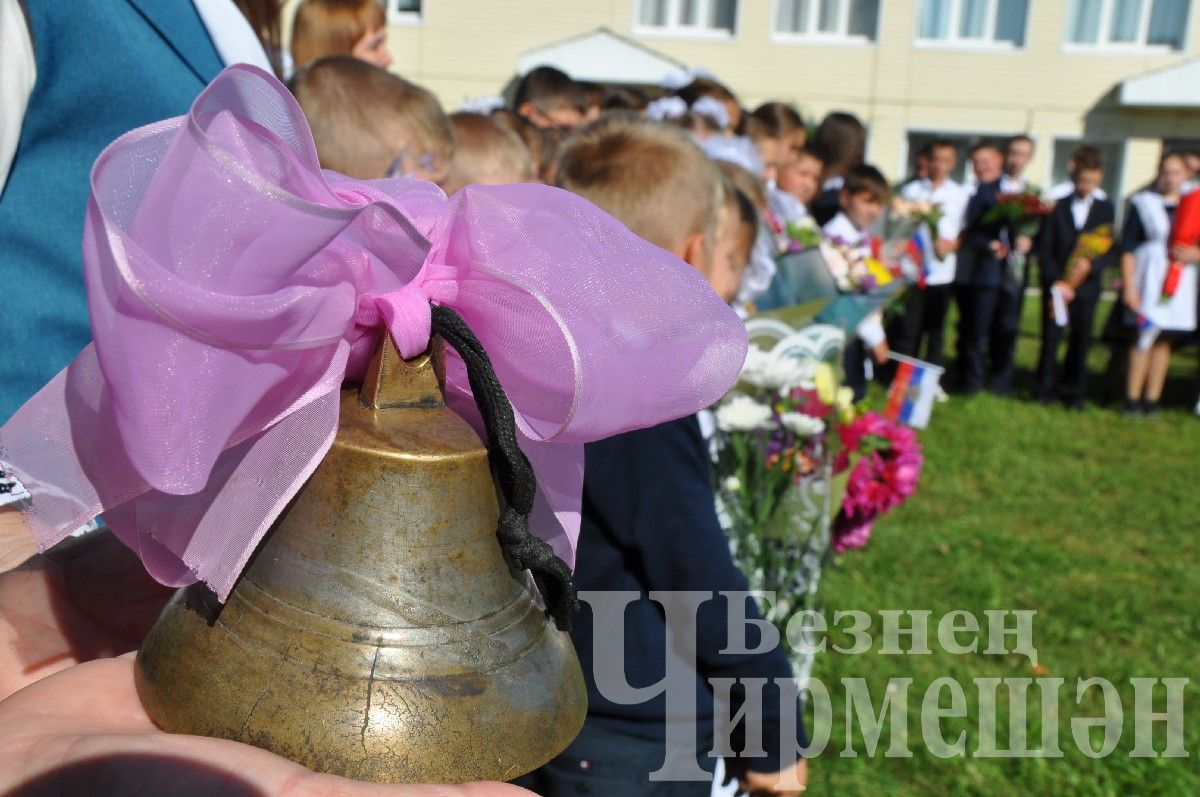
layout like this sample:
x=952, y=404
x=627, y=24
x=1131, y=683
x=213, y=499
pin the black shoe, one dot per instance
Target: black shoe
x=1044, y=399
x=1150, y=409
x=1132, y=408
x=1075, y=404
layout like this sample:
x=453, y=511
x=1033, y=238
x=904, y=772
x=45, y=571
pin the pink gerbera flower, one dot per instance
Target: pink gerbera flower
x=886, y=473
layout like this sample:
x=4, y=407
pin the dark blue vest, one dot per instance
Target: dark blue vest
x=104, y=67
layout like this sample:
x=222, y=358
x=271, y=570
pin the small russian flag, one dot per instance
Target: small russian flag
x=919, y=248
x=913, y=390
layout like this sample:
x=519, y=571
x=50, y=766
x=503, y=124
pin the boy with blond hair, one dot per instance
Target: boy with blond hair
x=368, y=123
x=651, y=177
x=649, y=523
x=486, y=153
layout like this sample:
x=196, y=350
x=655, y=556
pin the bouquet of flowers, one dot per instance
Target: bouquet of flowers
x=1022, y=214
x=883, y=460
x=911, y=227
x=857, y=271
x=773, y=473
x=800, y=474
x=801, y=235
x=795, y=235
x=916, y=213
x=828, y=279
x=1091, y=245
x=1023, y=210
x=866, y=280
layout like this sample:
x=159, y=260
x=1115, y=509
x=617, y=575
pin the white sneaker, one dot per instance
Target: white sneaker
x=1196, y=409
x=941, y=397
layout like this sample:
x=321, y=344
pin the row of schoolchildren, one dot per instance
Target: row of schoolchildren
x=982, y=265
x=773, y=169
x=648, y=519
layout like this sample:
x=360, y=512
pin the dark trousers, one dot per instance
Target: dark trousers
x=854, y=366
x=963, y=329
x=1080, y=316
x=996, y=317
x=605, y=763
x=924, y=322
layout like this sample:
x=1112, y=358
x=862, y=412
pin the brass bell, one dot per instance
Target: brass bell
x=378, y=633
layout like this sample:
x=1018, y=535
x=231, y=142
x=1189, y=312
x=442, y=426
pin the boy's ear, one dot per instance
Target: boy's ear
x=692, y=250
x=526, y=110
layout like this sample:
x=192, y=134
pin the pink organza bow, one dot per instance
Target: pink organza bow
x=233, y=286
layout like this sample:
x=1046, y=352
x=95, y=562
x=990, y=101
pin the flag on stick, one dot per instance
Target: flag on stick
x=911, y=395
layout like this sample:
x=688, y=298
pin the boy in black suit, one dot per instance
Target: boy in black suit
x=989, y=296
x=1075, y=280
x=649, y=523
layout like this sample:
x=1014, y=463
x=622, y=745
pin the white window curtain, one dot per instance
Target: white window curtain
x=1128, y=23
x=1083, y=26
x=827, y=21
x=1125, y=21
x=688, y=15
x=791, y=16
x=853, y=18
x=972, y=19
x=935, y=19
x=654, y=13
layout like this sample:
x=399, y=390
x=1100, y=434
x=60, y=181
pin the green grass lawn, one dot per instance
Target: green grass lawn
x=1090, y=518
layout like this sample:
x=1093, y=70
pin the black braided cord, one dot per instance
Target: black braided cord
x=515, y=476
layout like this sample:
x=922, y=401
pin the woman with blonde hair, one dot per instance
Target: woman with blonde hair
x=340, y=27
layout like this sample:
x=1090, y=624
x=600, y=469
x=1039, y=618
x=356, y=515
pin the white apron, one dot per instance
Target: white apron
x=1177, y=313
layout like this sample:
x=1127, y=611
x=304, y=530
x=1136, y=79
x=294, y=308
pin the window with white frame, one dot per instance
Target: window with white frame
x=1128, y=24
x=703, y=17
x=403, y=12
x=853, y=20
x=973, y=23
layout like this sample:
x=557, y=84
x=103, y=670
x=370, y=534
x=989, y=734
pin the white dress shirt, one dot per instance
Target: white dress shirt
x=952, y=198
x=1080, y=208
x=232, y=36
x=1013, y=185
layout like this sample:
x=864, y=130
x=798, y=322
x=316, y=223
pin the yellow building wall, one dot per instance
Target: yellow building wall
x=466, y=48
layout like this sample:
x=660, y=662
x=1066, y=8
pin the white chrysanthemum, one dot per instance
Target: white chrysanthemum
x=732, y=484
x=754, y=370
x=742, y=413
x=802, y=425
x=784, y=373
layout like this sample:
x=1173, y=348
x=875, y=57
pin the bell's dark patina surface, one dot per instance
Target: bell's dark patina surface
x=378, y=633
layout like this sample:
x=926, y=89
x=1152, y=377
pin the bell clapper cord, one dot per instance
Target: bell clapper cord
x=514, y=474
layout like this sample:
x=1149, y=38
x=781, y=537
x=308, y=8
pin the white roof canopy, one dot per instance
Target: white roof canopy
x=1175, y=86
x=602, y=56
